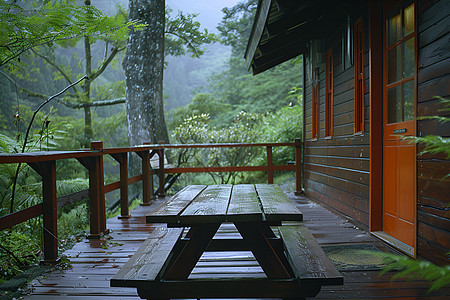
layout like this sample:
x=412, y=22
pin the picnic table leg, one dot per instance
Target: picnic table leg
x=271, y=261
x=181, y=265
x=269, y=234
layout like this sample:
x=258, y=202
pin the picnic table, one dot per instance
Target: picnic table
x=294, y=264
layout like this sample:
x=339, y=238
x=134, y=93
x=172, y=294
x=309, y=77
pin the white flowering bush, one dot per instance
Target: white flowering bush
x=196, y=130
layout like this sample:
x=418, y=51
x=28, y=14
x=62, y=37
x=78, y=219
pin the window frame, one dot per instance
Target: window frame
x=315, y=106
x=359, y=111
x=403, y=79
x=329, y=94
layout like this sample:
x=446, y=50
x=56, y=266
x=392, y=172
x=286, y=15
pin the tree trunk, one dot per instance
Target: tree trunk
x=143, y=65
x=88, y=133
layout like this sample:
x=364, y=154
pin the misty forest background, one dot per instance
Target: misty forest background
x=209, y=97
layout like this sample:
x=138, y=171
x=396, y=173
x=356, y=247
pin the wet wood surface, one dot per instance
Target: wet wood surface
x=433, y=80
x=209, y=207
x=94, y=266
x=149, y=258
x=276, y=205
x=302, y=247
x=168, y=211
x=226, y=203
x=244, y=203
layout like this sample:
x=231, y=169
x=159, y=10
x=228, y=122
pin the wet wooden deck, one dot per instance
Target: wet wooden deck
x=93, y=266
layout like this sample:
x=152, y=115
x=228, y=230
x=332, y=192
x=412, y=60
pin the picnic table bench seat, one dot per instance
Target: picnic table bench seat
x=148, y=260
x=307, y=259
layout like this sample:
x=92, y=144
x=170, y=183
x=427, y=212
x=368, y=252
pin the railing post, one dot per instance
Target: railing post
x=98, y=146
x=96, y=195
x=162, y=181
x=47, y=170
x=145, y=157
x=152, y=172
x=269, y=165
x=122, y=159
x=298, y=167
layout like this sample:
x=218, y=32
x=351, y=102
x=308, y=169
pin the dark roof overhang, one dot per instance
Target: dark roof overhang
x=282, y=28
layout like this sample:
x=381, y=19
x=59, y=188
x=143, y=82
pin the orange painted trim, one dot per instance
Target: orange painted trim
x=416, y=71
x=376, y=115
x=329, y=94
x=315, y=113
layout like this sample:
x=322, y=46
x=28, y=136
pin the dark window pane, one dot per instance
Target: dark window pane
x=393, y=62
x=408, y=58
x=394, y=105
x=394, y=25
x=408, y=101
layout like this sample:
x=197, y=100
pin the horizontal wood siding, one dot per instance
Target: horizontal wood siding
x=337, y=170
x=433, y=214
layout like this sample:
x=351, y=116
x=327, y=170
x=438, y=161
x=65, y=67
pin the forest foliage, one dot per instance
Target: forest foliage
x=47, y=45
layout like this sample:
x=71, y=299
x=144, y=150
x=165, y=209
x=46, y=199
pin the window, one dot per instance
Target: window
x=315, y=105
x=400, y=59
x=359, y=78
x=329, y=94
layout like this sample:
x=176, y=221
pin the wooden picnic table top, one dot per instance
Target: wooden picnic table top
x=198, y=204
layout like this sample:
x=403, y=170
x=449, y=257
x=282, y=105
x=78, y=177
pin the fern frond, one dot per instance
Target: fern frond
x=416, y=269
x=69, y=186
x=433, y=144
x=8, y=145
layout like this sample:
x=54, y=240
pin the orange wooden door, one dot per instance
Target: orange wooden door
x=399, y=120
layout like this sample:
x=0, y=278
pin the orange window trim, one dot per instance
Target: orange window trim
x=315, y=111
x=359, y=77
x=329, y=94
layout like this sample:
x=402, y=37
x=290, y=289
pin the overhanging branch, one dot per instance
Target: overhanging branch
x=106, y=62
x=186, y=40
x=93, y=104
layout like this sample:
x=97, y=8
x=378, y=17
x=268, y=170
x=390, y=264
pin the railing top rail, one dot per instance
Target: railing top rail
x=225, y=145
x=40, y=156
x=178, y=146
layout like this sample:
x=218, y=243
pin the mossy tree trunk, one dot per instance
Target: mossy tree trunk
x=143, y=65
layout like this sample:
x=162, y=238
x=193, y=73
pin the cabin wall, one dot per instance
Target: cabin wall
x=336, y=169
x=433, y=192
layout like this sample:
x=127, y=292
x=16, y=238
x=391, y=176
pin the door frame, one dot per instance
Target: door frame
x=376, y=92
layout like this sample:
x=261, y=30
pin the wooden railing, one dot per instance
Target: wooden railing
x=44, y=163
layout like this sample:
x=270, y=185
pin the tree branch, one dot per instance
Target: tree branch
x=106, y=62
x=53, y=39
x=33, y=94
x=76, y=105
x=54, y=65
x=93, y=104
x=189, y=44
